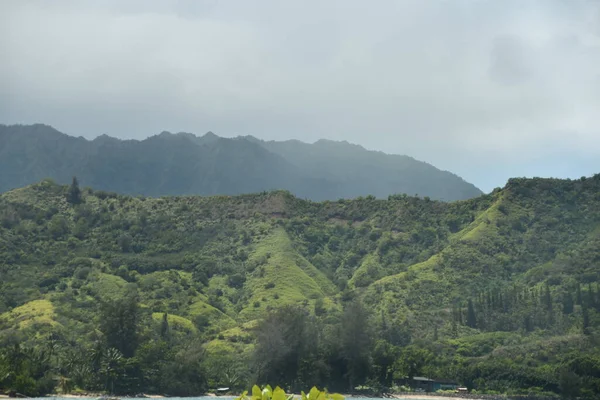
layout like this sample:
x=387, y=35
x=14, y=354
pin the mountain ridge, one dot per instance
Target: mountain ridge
x=323, y=170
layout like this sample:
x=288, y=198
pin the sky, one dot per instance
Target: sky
x=486, y=89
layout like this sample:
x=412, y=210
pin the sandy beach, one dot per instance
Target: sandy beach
x=424, y=396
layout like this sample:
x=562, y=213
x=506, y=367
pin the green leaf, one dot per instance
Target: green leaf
x=267, y=393
x=256, y=393
x=278, y=394
x=303, y=395
x=336, y=396
x=314, y=393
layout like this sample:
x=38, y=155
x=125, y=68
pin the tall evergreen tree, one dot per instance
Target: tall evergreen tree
x=119, y=322
x=454, y=329
x=164, y=326
x=591, y=296
x=568, y=304
x=471, y=318
x=527, y=324
x=578, y=298
x=547, y=301
x=586, y=319
x=74, y=193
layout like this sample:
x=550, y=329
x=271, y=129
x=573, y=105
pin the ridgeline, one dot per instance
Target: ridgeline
x=184, y=164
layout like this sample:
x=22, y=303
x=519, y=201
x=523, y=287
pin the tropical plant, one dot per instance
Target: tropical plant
x=267, y=393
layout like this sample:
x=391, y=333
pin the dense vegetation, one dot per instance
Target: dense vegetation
x=176, y=295
x=183, y=164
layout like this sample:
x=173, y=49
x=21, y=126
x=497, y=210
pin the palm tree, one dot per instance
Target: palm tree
x=110, y=367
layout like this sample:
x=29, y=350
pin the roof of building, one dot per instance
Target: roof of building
x=422, y=378
x=425, y=379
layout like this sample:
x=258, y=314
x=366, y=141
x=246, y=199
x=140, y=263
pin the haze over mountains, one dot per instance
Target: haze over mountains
x=185, y=164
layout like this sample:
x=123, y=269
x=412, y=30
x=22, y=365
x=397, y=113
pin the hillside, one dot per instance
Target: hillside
x=184, y=164
x=500, y=292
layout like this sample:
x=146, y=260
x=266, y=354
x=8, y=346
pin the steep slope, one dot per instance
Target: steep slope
x=183, y=164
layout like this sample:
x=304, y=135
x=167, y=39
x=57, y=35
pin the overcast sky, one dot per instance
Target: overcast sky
x=485, y=89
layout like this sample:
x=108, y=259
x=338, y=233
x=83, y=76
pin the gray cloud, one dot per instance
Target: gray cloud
x=486, y=89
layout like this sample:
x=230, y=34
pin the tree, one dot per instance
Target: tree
x=384, y=356
x=356, y=342
x=569, y=384
x=111, y=368
x=74, y=193
x=226, y=367
x=568, y=304
x=412, y=360
x=164, y=326
x=547, y=299
x=586, y=319
x=320, y=307
x=58, y=226
x=527, y=324
x=119, y=322
x=471, y=318
x=591, y=295
x=286, y=348
x=125, y=241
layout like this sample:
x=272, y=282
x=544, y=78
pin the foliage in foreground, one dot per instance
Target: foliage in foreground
x=267, y=393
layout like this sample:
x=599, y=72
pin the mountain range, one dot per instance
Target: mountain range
x=185, y=164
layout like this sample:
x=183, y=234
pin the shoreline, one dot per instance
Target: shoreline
x=420, y=396
x=432, y=396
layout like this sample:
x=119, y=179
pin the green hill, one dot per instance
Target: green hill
x=184, y=164
x=468, y=287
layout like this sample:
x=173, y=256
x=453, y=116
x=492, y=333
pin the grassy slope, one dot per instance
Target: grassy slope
x=36, y=312
x=293, y=279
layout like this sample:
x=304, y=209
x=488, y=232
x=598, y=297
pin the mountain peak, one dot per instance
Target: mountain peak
x=208, y=138
x=104, y=138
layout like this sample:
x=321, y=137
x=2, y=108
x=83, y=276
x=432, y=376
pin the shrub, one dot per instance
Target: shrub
x=82, y=273
x=267, y=393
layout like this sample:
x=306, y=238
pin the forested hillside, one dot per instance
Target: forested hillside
x=184, y=164
x=175, y=295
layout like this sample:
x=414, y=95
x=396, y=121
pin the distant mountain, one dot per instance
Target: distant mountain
x=184, y=164
x=358, y=171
